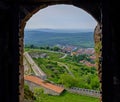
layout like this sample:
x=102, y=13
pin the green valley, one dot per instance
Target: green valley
x=67, y=71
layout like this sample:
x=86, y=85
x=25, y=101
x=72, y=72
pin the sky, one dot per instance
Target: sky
x=61, y=17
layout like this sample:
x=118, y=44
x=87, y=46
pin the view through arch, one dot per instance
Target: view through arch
x=72, y=57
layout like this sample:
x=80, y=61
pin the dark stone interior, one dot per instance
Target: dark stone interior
x=13, y=17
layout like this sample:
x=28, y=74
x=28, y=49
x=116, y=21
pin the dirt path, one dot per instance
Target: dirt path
x=64, y=56
x=60, y=63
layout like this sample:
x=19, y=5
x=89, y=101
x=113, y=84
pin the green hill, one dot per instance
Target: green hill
x=43, y=37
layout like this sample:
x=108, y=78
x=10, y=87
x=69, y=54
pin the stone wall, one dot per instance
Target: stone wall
x=32, y=65
x=13, y=17
x=87, y=92
x=9, y=52
x=98, y=53
x=46, y=90
x=26, y=12
x=82, y=91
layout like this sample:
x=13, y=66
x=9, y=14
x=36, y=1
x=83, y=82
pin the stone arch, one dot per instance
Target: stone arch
x=30, y=7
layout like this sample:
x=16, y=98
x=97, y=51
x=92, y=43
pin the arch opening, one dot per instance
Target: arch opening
x=24, y=23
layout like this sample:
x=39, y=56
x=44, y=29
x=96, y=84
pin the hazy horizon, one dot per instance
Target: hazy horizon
x=66, y=29
x=61, y=17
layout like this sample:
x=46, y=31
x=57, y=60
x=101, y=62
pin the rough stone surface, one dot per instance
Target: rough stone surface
x=27, y=11
x=98, y=52
x=13, y=17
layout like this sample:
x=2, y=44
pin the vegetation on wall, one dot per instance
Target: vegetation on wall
x=28, y=94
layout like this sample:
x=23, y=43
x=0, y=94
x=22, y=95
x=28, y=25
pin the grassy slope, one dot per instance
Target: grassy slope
x=68, y=97
x=83, y=74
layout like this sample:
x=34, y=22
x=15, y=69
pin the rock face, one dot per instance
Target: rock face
x=13, y=17
x=98, y=48
x=27, y=11
x=98, y=51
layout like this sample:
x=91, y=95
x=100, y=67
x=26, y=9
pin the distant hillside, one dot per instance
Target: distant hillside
x=51, y=37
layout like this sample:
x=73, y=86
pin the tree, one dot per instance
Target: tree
x=68, y=80
x=55, y=48
x=95, y=84
x=32, y=46
x=47, y=48
x=39, y=93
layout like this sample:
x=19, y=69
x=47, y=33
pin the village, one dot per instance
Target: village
x=75, y=51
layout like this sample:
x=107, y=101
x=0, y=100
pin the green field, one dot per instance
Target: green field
x=66, y=97
x=39, y=96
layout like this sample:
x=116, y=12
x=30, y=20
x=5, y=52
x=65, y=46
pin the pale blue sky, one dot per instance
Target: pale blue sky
x=61, y=17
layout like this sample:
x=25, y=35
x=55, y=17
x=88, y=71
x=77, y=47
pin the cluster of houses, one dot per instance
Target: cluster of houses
x=68, y=49
x=72, y=50
x=88, y=63
x=80, y=51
